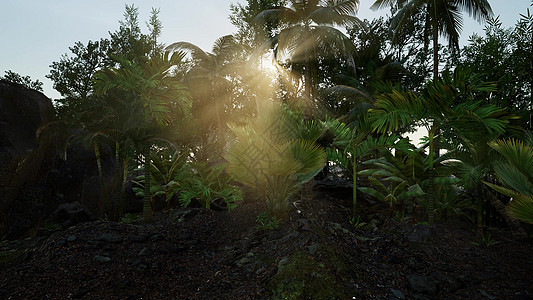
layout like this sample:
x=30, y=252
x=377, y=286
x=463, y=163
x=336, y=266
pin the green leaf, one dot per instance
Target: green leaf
x=372, y=193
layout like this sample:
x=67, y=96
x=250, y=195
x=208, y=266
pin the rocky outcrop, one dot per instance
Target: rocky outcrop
x=22, y=112
x=70, y=214
x=35, y=177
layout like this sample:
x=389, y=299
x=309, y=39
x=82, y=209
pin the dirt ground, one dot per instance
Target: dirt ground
x=194, y=253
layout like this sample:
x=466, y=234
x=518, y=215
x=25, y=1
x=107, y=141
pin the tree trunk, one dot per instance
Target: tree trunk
x=354, y=200
x=103, y=198
x=220, y=128
x=125, y=166
x=308, y=84
x=118, y=181
x=531, y=87
x=308, y=76
x=435, y=51
x=436, y=129
x=431, y=196
x=147, y=204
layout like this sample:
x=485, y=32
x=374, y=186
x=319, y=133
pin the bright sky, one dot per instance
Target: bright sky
x=34, y=33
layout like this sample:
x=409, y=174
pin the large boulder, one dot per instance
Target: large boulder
x=34, y=180
x=22, y=112
x=70, y=214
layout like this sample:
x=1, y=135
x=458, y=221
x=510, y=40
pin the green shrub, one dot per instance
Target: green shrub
x=207, y=185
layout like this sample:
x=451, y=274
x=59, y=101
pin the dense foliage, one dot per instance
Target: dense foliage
x=289, y=94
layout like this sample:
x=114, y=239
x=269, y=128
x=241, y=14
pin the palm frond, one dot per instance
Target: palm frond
x=518, y=154
x=521, y=208
x=395, y=109
x=195, y=51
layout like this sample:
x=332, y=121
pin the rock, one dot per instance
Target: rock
x=245, y=260
x=289, y=236
x=178, y=249
x=284, y=261
x=336, y=187
x=420, y=234
x=397, y=294
x=183, y=215
x=110, y=238
x=305, y=226
x=421, y=237
x=313, y=249
x=72, y=238
x=414, y=264
x=141, y=268
x=22, y=112
x=28, y=209
x=101, y=259
x=70, y=214
x=447, y=282
x=156, y=238
x=137, y=238
x=34, y=178
x=486, y=294
x=184, y=236
x=485, y=276
x=274, y=235
x=142, y=252
x=422, y=284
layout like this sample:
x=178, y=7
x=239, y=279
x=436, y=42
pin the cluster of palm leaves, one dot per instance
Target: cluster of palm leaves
x=149, y=98
x=516, y=174
x=210, y=186
x=274, y=154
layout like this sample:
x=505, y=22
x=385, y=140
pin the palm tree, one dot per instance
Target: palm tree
x=352, y=143
x=307, y=31
x=157, y=94
x=469, y=121
x=113, y=123
x=442, y=17
x=209, y=79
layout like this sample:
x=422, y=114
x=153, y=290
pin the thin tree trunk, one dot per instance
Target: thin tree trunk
x=308, y=84
x=147, y=204
x=118, y=180
x=531, y=91
x=435, y=52
x=436, y=144
x=354, y=199
x=531, y=85
x=125, y=166
x=480, y=225
x=107, y=201
x=308, y=76
x=220, y=129
x=431, y=196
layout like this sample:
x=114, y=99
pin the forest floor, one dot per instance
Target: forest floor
x=194, y=253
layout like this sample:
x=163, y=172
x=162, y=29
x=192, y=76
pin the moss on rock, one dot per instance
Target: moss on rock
x=306, y=276
x=8, y=258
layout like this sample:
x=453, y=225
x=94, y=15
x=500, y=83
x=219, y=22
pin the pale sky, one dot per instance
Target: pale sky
x=34, y=33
